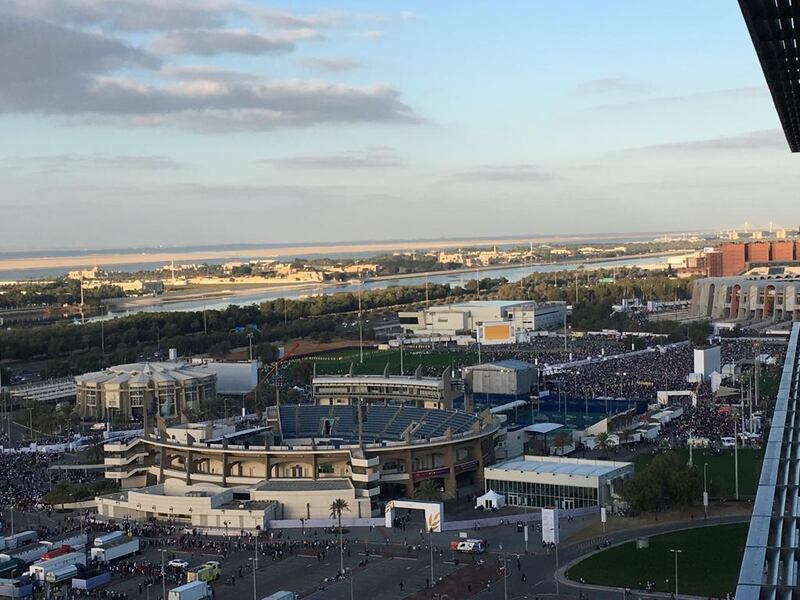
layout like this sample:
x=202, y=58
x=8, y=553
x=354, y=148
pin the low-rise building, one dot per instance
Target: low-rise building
x=451, y=319
x=566, y=483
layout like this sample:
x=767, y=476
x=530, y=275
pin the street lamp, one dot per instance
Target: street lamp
x=163, y=576
x=676, y=552
x=705, y=489
x=350, y=571
x=430, y=537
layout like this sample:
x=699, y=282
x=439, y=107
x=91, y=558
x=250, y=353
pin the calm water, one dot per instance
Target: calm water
x=511, y=274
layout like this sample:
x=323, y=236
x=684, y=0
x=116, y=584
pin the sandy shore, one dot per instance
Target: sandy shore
x=102, y=259
x=313, y=288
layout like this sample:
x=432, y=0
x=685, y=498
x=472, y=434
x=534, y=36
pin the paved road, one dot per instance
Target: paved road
x=378, y=566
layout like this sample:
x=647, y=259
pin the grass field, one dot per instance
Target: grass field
x=721, y=481
x=337, y=363
x=707, y=566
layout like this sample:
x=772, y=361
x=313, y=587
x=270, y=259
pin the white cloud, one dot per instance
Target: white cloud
x=211, y=42
x=329, y=64
x=369, y=158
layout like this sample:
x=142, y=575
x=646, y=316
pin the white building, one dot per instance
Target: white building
x=566, y=483
x=524, y=315
x=707, y=361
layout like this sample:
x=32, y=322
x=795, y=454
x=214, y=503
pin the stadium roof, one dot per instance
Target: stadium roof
x=574, y=467
x=145, y=374
x=773, y=27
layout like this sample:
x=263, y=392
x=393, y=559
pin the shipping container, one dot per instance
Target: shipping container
x=50, y=554
x=16, y=588
x=196, y=590
x=115, y=549
x=61, y=575
x=90, y=581
x=21, y=539
x=282, y=596
x=106, y=539
x=39, y=569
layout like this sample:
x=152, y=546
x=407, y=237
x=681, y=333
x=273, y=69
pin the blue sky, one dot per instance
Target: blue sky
x=172, y=122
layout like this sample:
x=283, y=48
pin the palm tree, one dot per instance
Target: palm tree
x=602, y=440
x=428, y=491
x=338, y=506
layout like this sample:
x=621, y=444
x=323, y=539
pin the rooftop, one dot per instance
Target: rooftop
x=305, y=486
x=543, y=428
x=560, y=466
x=144, y=374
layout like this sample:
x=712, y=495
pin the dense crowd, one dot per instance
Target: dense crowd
x=639, y=375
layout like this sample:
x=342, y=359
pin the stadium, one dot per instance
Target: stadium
x=370, y=453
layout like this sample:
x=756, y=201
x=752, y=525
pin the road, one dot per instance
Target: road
x=379, y=566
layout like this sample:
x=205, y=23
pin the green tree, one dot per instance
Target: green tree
x=337, y=507
x=428, y=491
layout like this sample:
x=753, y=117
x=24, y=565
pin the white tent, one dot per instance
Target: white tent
x=490, y=500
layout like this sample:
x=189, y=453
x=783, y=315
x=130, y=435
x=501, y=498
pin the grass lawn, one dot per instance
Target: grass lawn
x=721, y=481
x=337, y=363
x=707, y=566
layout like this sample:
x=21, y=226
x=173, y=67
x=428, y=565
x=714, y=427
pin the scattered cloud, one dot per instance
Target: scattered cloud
x=287, y=20
x=68, y=162
x=45, y=54
x=75, y=73
x=329, y=65
x=369, y=158
x=205, y=73
x=612, y=85
x=372, y=35
x=770, y=139
x=126, y=15
x=509, y=173
x=211, y=42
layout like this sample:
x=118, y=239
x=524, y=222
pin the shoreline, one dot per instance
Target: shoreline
x=124, y=304
x=122, y=259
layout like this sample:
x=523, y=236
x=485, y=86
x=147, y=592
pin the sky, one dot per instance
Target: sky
x=131, y=123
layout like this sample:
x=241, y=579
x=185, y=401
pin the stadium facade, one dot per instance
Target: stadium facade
x=754, y=297
x=383, y=451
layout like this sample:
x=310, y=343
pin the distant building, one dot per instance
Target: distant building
x=767, y=296
x=168, y=388
x=468, y=316
x=735, y=258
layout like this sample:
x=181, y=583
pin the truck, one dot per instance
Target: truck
x=208, y=571
x=281, y=596
x=56, y=552
x=40, y=568
x=74, y=540
x=104, y=540
x=16, y=588
x=21, y=539
x=61, y=575
x=12, y=567
x=91, y=580
x=27, y=553
x=196, y=590
x=115, y=549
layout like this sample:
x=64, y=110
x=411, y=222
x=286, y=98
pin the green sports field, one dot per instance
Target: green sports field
x=708, y=564
x=337, y=363
x=721, y=481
